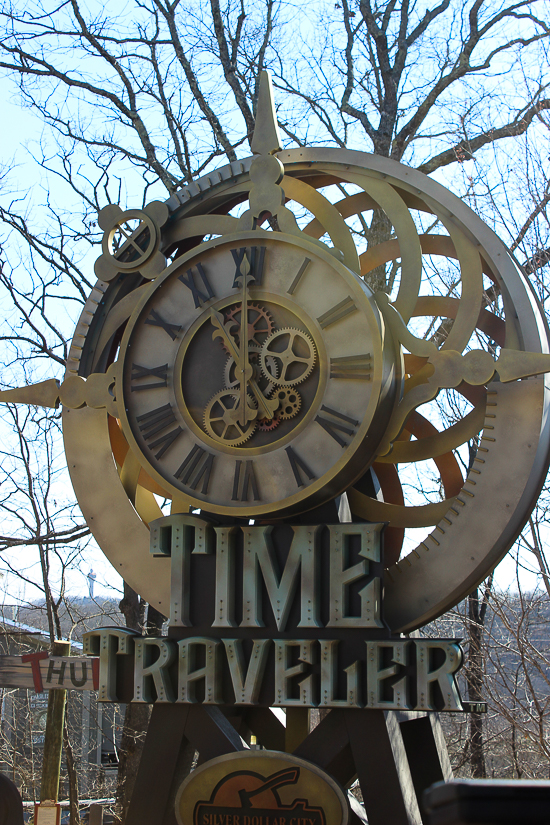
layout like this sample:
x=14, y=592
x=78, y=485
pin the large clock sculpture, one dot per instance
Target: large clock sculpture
x=247, y=369
x=232, y=359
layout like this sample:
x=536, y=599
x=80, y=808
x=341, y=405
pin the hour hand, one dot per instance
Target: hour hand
x=243, y=411
x=266, y=406
x=220, y=331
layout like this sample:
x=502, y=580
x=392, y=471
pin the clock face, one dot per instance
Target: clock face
x=254, y=376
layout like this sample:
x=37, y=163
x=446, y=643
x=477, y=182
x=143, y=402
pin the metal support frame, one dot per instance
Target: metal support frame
x=395, y=756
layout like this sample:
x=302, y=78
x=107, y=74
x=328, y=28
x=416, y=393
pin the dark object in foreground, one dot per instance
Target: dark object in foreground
x=11, y=806
x=488, y=802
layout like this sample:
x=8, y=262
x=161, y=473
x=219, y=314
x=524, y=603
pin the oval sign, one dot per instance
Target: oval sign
x=260, y=788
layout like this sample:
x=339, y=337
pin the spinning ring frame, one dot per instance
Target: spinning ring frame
x=479, y=517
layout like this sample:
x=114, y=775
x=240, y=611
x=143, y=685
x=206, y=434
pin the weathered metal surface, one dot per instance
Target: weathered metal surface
x=383, y=765
x=426, y=750
x=485, y=518
x=521, y=328
x=164, y=743
x=113, y=520
x=276, y=616
x=296, y=465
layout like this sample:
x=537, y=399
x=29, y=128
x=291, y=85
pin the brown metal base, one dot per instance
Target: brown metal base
x=395, y=756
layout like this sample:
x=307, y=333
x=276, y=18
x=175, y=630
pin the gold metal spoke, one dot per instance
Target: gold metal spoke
x=287, y=356
x=228, y=400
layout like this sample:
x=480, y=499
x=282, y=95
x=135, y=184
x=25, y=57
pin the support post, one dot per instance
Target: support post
x=426, y=751
x=382, y=768
x=297, y=727
x=53, y=738
x=96, y=814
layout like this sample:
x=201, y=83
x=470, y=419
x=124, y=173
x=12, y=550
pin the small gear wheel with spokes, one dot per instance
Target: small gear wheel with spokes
x=220, y=421
x=260, y=324
x=293, y=353
x=290, y=403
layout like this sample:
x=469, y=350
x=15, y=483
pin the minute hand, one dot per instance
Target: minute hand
x=266, y=406
x=243, y=364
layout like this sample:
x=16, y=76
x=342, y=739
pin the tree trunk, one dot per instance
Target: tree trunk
x=378, y=232
x=72, y=777
x=474, y=679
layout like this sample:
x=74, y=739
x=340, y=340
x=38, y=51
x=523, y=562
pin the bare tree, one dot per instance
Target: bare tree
x=510, y=629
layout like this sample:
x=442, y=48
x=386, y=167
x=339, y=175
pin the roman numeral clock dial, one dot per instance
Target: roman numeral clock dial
x=255, y=375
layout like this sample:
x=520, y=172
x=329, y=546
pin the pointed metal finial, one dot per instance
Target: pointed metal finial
x=266, y=170
x=266, y=139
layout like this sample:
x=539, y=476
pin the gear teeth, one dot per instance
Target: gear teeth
x=230, y=441
x=266, y=353
x=268, y=425
x=289, y=397
x=262, y=313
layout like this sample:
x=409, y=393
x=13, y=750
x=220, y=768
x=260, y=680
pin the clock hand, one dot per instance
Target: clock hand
x=220, y=331
x=243, y=413
x=244, y=369
x=266, y=406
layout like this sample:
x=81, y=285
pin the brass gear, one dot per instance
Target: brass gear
x=219, y=426
x=260, y=325
x=291, y=359
x=290, y=403
x=265, y=425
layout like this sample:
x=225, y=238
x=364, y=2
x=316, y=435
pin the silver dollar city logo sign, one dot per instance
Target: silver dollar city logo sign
x=244, y=789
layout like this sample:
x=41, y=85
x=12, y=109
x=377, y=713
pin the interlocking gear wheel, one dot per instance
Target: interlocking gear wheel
x=219, y=423
x=294, y=353
x=260, y=323
x=265, y=425
x=290, y=403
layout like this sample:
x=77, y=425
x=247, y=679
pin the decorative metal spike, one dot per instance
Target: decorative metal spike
x=266, y=197
x=44, y=394
x=266, y=139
